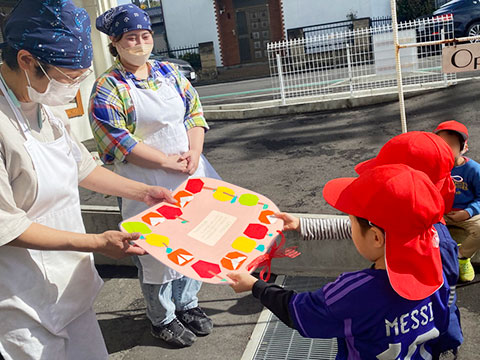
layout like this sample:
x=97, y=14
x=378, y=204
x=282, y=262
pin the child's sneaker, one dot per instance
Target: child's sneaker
x=174, y=333
x=467, y=273
x=196, y=320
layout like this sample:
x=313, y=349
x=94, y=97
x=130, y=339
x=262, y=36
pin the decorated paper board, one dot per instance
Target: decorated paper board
x=213, y=229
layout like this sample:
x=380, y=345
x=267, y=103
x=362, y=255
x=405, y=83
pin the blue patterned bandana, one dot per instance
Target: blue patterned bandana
x=54, y=31
x=122, y=19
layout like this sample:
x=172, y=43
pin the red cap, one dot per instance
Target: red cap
x=406, y=204
x=422, y=151
x=453, y=126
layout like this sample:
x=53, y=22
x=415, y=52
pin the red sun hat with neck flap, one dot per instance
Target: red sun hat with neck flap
x=405, y=204
x=422, y=151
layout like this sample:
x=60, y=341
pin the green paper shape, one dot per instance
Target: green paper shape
x=248, y=200
x=133, y=227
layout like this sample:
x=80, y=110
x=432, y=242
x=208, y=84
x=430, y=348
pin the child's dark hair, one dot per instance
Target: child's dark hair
x=458, y=135
x=365, y=225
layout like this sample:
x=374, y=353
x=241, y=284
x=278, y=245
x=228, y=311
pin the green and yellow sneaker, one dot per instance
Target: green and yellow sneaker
x=467, y=273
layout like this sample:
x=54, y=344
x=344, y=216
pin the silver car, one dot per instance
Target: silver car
x=184, y=66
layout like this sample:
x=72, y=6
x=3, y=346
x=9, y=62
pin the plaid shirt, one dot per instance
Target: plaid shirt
x=112, y=113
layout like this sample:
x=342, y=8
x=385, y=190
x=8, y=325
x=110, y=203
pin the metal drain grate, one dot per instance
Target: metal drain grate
x=272, y=340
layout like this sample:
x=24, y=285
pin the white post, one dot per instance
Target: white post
x=349, y=63
x=445, y=76
x=398, y=65
x=280, y=77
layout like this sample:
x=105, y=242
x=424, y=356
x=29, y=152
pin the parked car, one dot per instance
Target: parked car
x=466, y=16
x=184, y=66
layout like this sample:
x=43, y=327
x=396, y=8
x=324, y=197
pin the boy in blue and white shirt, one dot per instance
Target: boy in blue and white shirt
x=464, y=219
x=396, y=308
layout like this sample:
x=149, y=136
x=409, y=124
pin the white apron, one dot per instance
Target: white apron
x=160, y=124
x=48, y=289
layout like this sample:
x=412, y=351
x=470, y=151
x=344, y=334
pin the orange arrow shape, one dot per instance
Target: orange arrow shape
x=153, y=219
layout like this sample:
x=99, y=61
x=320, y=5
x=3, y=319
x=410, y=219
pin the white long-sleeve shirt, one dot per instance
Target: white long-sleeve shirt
x=325, y=228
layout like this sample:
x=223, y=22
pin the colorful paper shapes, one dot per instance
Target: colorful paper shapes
x=206, y=269
x=223, y=194
x=133, y=227
x=233, y=260
x=186, y=237
x=157, y=240
x=194, y=185
x=170, y=212
x=248, y=200
x=244, y=244
x=266, y=217
x=180, y=257
x=153, y=219
x=183, y=198
x=256, y=231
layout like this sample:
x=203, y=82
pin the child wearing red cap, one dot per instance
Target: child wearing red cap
x=425, y=152
x=464, y=220
x=396, y=308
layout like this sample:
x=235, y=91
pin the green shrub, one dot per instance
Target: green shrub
x=193, y=59
x=412, y=9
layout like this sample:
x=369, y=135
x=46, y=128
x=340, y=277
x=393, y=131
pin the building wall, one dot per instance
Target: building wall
x=190, y=22
x=227, y=32
x=299, y=13
x=276, y=20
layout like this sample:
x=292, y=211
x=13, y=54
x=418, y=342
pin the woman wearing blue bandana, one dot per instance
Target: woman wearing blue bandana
x=48, y=280
x=147, y=120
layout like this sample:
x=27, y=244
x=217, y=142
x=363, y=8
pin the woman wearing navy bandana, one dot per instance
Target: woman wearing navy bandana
x=48, y=280
x=148, y=122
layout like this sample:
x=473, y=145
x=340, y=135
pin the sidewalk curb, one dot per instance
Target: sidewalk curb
x=248, y=111
x=329, y=102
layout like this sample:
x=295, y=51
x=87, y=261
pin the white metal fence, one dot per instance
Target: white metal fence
x=358, y=62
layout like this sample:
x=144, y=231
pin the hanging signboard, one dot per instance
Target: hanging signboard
x=461, y=58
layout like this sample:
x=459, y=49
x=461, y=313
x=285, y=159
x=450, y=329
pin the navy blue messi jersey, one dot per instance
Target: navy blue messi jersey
x=449, y=253
x=453, y=337
x=369, y=319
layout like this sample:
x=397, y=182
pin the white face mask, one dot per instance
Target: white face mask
x=135, y=55
x=56, y=94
